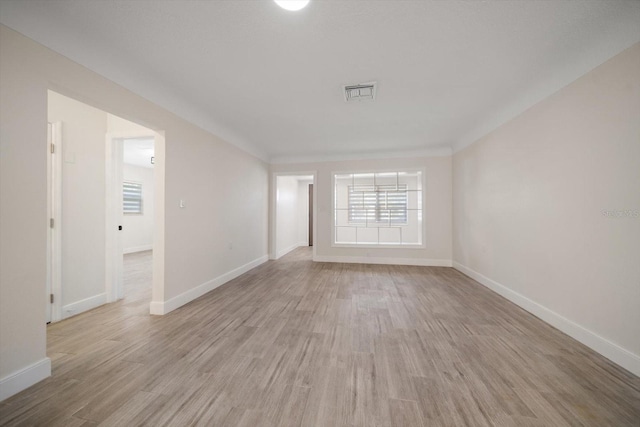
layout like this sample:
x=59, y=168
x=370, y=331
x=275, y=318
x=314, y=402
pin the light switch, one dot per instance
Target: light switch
x=182, y=205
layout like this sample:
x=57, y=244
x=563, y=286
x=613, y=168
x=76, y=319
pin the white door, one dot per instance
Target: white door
x=114, y=261
x=50, y=180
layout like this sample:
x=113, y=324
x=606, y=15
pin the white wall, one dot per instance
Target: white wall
x=118, y=125
x=83, y=202
x=137, y=229
x=531, y=203
x=437, y=213
x=225, y=190
x=287, y=215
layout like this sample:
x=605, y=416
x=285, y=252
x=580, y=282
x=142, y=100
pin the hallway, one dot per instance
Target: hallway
x=137, y=278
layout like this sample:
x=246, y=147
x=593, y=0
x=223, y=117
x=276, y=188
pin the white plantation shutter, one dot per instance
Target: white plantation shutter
x=132, y=197
x=379, y=203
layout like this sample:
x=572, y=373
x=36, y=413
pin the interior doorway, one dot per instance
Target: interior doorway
x=138, y=162
x=131, y=211
x=86, y=203
x=293, y=223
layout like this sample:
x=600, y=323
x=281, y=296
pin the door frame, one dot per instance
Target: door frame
x=114, y=248
x=54, y=213
x=311, y=216
x=273, y=209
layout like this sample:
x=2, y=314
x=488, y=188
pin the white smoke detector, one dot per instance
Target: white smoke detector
x=360, y=92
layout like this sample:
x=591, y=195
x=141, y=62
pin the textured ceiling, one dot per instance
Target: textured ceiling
x=270, y=81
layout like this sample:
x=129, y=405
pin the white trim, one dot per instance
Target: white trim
x=423, y=231
x=562, y=78
x=84, y=305
x=608, y=349
x=164, y=307
x=378, y=246
x=54, y=235
x=24, y=378
x=383, y=260
x=159, y=145
x=56, y=284
x=134, y=249
x=285, y=251
x=132, y=133
x=426, y=152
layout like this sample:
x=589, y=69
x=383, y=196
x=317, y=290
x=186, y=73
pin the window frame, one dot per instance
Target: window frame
x=421, y=245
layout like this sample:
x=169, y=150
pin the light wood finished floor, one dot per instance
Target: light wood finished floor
x=299, y=343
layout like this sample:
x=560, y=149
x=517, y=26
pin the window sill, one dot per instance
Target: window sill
x=379, y=246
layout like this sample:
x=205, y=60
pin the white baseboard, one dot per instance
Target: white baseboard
x=135, y=249
x=611, y=351
x=83, y=305
x=24, y=378
x=285, y=251
x=382, y=260
x=164, y=307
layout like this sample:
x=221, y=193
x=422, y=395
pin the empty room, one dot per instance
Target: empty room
x=319, y=213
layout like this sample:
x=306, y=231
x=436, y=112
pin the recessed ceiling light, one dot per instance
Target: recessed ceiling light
x=292, y=4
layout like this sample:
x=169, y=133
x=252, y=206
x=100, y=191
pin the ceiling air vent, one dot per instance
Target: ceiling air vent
x=360, y=92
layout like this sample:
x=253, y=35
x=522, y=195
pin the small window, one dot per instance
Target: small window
x=132, y=197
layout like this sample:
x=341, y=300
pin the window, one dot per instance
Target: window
x=381, y=204
x=132, y=197
x=378, y=208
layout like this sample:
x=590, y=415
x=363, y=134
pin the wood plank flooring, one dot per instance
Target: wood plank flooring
x=294, y=342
